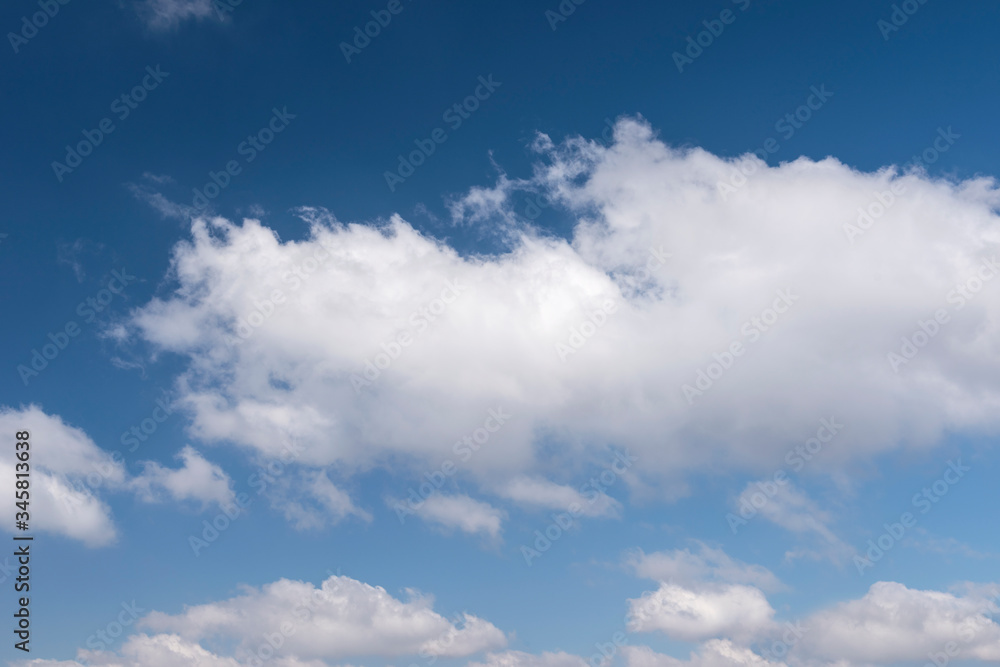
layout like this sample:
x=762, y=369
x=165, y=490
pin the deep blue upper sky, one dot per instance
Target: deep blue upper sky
x=353, y=119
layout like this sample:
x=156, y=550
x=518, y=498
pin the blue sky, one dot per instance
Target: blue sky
x=591, y=263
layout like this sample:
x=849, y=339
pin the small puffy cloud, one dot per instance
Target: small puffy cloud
x=463, y=513
x=168, y=14
x=789, y=507
x=702, y=595
x=542, y=493
x=67, y=471
x=159, y=202
x=711, y=611
x=713, y=653
x=522, y=659
x=341, y=618
x=70, y=475
x=68, y=451
x=682, y=566
x=309, y=500
x=893, y=623
x=196, y=479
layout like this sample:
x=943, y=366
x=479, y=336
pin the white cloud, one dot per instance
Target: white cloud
x=890, y=624
x=196, y=480
x=71, y=475
x=713, y=653
x=309, y=500
x=794, y=511
x=346, y=292
x=157, y=651
x=158, y=179
x=164, y=206
x=710, y=611
x=522, y=659
x=167, y=14
x=702, y=595
x=343, y=617
x=707, y=565
x=164, y=650
x=893, y=623
x=537, y=492
x=67, y=471
x=462, y=512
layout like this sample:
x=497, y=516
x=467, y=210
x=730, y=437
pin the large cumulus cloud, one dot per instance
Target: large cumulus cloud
x=279, y=334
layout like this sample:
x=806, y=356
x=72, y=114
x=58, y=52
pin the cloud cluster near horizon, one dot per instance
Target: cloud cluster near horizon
x=714, y=604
